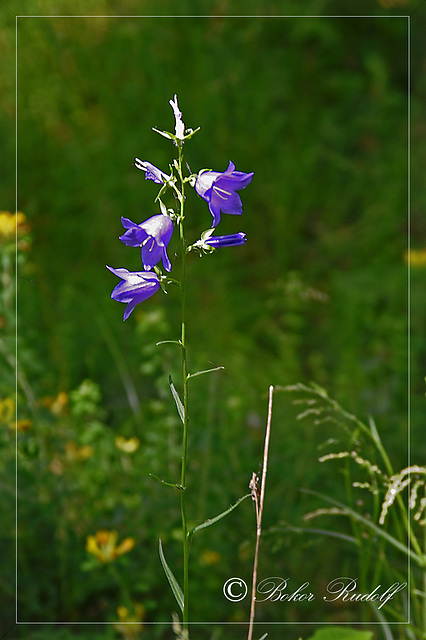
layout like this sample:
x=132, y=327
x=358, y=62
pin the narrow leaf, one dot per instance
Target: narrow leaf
x=169, y=484
x=264, y=636
x=325, y=532
x=177, y=591
x=168, y=342
x=211, y=521
x=177, y=400
x=200, y=373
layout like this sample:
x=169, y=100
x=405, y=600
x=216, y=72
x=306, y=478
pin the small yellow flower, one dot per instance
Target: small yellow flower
x=56, y=405
x=130, y=631
x=21, y=425
x=7, y=411
x=209, y=557
x=104, y=546
x=7, y=415
x=415, y=257
x=12, y=224
x=128, y=446
x=60, y=403
x=74, y=453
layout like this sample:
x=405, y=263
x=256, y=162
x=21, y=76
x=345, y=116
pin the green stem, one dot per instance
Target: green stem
x=185, y=404
x=124, y=591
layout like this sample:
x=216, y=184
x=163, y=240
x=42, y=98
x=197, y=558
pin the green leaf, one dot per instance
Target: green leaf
x=178, y=342
x=325, y=532
x=169, y=484
x=200, y=373
x=177, y=400
x=211, y=521
x=177, y=591
x=264, y=636
x=340, y=633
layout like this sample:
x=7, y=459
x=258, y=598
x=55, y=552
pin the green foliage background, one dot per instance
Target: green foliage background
x=317, y=108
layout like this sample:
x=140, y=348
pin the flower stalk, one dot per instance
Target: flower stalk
x=152, y=237
x=185, y=379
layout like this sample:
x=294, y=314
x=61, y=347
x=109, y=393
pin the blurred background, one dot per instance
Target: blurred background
x=317, y=108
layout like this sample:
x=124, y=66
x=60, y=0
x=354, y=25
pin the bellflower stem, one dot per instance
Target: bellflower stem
x=185, y=399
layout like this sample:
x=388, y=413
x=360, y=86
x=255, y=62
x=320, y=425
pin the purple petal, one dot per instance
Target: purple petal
x=151, y=171
x=232, y=240
x=152, y=236
x=151, y=253
x=134, y=288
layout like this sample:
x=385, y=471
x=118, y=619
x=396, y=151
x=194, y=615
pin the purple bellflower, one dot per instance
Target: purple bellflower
x=219, y=190
x=134, y=288
x=208, y=242
x=152, y=236
x=151, y=172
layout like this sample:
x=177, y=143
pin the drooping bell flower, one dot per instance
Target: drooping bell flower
x=219, y=190
x=152, y=236
x=134, y=288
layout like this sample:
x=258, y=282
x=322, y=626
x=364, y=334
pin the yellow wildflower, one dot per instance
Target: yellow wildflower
x=74, y=453
x=21, y=425
x=415, y=257
x=12, y=225
x=209, y=557
x=7, y=410
x=56, y=405
x=128, y=446
x=104, y=546
x=59, y=404
x=7, y=414
x=127, y=630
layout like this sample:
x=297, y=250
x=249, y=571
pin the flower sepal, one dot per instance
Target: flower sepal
x=201, y=245
x=178, y=140
x=165, y=280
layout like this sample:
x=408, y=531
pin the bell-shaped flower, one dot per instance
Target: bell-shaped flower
x=152, y=236
x=232, y=240
x=219, y=190
x=135, y=288
x=152, y=172
x=208, y=242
